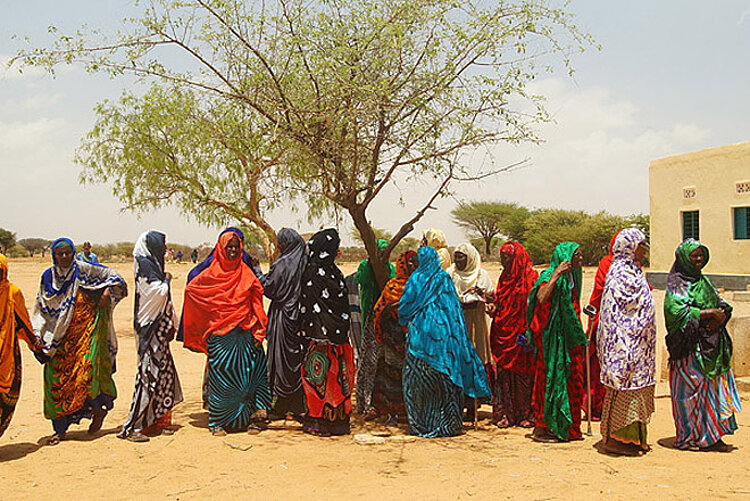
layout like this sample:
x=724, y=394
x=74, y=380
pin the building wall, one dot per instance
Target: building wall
x=710, y=178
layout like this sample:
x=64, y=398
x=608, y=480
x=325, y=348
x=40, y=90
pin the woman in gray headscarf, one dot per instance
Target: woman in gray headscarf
x=285, y=350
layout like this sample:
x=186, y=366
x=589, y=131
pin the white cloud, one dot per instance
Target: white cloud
x=743, y=17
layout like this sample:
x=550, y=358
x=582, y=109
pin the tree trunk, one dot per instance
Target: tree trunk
x=488, y=245
x=378, y=259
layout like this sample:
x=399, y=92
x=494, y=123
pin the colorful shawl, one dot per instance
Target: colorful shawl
x=152, y=286
x=324, y=302
x=392, y=293
x=56, y=298
x=562, y=333
x=689, y=292
x=437, y=331
x=436, y=239
x=368, y=284
x=224, y=296
x=626, y=341
x=509, y=323
x=12, y=307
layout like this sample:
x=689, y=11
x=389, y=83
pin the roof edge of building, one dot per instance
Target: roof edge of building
x=705, y=152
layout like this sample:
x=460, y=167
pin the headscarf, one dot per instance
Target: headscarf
x=509, y=323
x=152, y=287
x=562, y=333
x=58, y=289
x=689, y=292
x=282, y=282
x=200, y=267
x=626, y=343
x=12, y=305
x=224, y=296
x=436, y=239
x=368, y=284
x=437, y=330
x=203, y=265
x=392, y=293
x=324, y=303
x=467, y=278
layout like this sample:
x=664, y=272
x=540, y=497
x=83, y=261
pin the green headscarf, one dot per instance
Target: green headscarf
x=368, y=285
x=562, y=333
x=689, y=292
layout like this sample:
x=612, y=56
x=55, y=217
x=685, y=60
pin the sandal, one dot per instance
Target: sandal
x=218, y=431
x=620, y=449
x=137, y=437
x=544, y=437
x=526, y=424
x=503, y=423
x=55, y=439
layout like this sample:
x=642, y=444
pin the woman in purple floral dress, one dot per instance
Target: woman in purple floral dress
x=626, y=346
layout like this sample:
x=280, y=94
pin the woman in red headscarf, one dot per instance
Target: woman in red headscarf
x=224, y=318
x=514, y=382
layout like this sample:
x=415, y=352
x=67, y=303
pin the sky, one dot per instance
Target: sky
x=671, y=77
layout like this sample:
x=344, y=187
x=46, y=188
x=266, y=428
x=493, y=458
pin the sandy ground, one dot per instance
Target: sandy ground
x=283, y=464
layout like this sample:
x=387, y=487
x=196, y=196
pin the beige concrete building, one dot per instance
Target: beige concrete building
x=705, y=195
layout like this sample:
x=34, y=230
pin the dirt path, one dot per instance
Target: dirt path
x=285, y=464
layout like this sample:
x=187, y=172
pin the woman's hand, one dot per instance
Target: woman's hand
x=106, y=298
x=563, y=268
x=490, y=309
x=168, y=275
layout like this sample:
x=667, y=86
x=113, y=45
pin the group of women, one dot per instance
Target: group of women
x=434, y=341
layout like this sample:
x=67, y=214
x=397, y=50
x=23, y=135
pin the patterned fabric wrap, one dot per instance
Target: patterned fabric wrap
x=387, y=393
x=622, y=409
x=282, y=285
x=689, y=292
x=237, y=379
x=392, y=292
x=627, y=325
x=437, y=334
x=328, y=379
x=368, y=284
x=324, y=302
x=434, y=404
x=509, y=322
x=78, y=379
x=53, y=309
x=367, y=366
x=561, y=333
x=9, y=398
x=511, y=397
x=157, y=386
x=355, y=324
x=14, y=323
x=703, y=407
x=436, y=239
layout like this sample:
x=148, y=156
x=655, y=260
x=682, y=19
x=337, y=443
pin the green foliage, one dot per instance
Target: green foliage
x=7, y=240
x=545, y=228
x=173, y=145
x=35, y=245
x=17, y=251
x=344, y=95
x=487, y=220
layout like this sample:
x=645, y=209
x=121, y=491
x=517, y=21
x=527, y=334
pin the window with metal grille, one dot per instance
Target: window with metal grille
x=741, y=223
x=690, y=227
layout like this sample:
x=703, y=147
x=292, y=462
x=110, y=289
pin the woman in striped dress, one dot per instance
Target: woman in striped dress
x=223, y=317
x=704, y=392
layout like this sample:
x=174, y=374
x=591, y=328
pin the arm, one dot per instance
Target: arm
x=545, y=290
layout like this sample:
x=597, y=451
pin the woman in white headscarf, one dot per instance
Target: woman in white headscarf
x=473, y=286
x=436, y=239
x=157, y=387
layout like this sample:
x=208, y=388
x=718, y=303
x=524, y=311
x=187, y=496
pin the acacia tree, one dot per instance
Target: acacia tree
x=7, y=240
x=490, y=219
x=367, y=92
x=206, y=155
